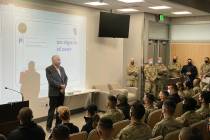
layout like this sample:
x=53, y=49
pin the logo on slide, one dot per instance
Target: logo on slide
x=22, y=27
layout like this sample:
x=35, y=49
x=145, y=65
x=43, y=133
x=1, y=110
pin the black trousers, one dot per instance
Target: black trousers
x=55, y=101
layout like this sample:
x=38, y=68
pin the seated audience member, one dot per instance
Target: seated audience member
x=123, y=105
x=91, y=118
x=112, y=112
x=188, y=133
x=188, y=89
x=163, y=95
x=148, y=104
x=168, y=123
x=60, y=132
x=2, y=137
x=204, y=99
x=105, y=129
x=28, y=129
x=173, y=93
x=180, y=87
x=190, y=116
x=196, y=85
x=64, y=114
x=137, y=129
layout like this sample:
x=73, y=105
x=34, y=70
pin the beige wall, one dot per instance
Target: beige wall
x=133, y=47
x=104, y=56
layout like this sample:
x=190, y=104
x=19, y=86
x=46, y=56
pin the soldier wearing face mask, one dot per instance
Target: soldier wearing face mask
x=205, y=71
x=174, y=68
x=150, y=73
x=162, y=75
x=189, y=71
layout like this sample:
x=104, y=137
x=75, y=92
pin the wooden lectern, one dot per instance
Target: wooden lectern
x=8, y=117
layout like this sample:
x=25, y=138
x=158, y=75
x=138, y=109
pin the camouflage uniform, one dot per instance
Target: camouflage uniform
x=135, y=131
x=162, y=77
x=165, y=126
x=205, y=70
x=114, y=114
x=148, y=110
x=133, y=72
x=196, y=90
x=174, y=70
x=188, y=93
x=189, y=117
x=150, y=73
x=203, y=111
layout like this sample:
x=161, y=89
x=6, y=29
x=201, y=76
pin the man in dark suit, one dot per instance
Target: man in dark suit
x=57, y=80
x=189, y=71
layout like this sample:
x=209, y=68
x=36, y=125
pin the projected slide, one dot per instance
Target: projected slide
x=37, y=36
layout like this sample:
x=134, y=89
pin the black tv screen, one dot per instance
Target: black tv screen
x=114, y=25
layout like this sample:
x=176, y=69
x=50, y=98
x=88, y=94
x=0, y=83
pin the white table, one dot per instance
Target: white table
x=79, y=99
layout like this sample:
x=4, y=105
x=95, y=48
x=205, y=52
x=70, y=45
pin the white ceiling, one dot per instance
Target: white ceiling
x=142, y=6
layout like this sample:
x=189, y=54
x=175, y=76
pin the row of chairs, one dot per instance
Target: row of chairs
x=175, y=134
x=117, y=127
x=120, y=125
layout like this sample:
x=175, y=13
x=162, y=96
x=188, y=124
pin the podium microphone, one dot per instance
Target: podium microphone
x=16, y=92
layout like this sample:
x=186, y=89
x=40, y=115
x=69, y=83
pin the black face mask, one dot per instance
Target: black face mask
x=174, y=60
x=206, y=61
x=189, y=63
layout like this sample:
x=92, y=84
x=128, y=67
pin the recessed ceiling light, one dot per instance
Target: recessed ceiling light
x=96, y=3
x=159, y=7
x=127, y=10
x=131, y=1
x=182, y=13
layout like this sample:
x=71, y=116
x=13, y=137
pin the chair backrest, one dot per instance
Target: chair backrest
x=79, y=136
x=93, y=135
x=114, y=86
x=202, y=126
x=179, y=109
x=157, y=138
x=172, y=135
x=154, y=117
x=118, y=126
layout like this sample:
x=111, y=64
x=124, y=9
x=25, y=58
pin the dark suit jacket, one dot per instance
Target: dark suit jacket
x=55, y=80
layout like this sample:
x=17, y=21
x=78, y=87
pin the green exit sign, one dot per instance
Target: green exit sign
x=162, y=18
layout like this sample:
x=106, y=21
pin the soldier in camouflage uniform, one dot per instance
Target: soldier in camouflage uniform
x=150, y=73
x=137, y=129
x=162, y=75
x=113, y=113
x=204, y=99
x=105, y=129
x=205, y=70
x=168, y=123
x=133, y=73
x=196, y=86
x=174, y=68
x=190, y=116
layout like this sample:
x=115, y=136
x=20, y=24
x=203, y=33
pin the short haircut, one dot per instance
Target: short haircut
x=123, y=99
x=2, y=137
x=190, y=104
x=60, y=132
x=105, y=123
x=92, y=109
x=150, y=97
x=137, y=110
x=64, y=113
x=205, y=95
x=25, y=115
x=165, y=93
x=170, y=105
x=112, y=99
